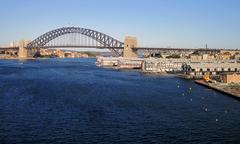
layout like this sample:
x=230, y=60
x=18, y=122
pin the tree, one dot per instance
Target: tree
x=175, y=56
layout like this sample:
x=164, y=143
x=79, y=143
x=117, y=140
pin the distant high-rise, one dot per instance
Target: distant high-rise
x=12, y=44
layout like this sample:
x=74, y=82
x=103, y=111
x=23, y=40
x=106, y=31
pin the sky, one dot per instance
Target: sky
x=155, y=23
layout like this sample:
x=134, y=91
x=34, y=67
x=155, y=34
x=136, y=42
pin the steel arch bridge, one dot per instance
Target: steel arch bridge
x=104, y=40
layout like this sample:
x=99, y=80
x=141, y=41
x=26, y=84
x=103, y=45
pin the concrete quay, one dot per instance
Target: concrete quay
x=235, y=93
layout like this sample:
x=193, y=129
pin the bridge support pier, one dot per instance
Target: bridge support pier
x=129, y=44
x=23, y=52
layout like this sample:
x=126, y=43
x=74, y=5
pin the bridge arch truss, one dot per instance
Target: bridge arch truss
x=106, y=41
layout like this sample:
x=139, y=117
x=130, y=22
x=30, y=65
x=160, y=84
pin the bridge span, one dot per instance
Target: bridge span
x=76, y=37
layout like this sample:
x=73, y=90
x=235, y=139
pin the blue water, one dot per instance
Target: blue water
x=73, y=101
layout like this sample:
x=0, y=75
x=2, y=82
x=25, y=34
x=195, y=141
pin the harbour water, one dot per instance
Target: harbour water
x=73, y=101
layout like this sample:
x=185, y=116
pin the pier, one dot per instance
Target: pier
x=235, y=93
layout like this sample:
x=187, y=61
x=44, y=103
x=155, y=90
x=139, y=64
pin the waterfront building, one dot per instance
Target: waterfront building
x=107, y=61
x=62, y=53
x=199, y=69
x=230, y=78
x=163, y=65
x=131, y=63
x=120, y=62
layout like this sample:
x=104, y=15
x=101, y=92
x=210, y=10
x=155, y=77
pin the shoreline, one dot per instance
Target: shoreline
x=40, y=58
x=17, y=58
x=217, y=88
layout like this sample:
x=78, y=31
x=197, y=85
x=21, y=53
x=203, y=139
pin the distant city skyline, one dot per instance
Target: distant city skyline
x=156, y=23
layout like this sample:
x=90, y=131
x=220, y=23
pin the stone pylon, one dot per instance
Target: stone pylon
x=129, y=44
x=22, y=53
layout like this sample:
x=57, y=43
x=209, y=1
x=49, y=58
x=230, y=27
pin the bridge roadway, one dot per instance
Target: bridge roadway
x=75, y=46
x=181, y=49
x=135, y=48
x=143, y=50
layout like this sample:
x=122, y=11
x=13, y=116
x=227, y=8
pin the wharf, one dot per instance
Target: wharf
x=231, y=92
x=120, y=62
x=147, y=65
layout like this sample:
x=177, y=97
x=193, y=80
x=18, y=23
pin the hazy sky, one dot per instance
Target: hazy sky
x=157, y=23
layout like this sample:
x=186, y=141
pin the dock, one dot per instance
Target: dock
x=147, y=65
x=120, y=62
x=230, y=92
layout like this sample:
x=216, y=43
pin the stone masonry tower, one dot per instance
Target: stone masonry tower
x=129, y=44
x=22, y=53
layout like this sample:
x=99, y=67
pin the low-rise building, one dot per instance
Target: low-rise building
x=230, y=77
x=231, y=52
x=195, y=57
x=62, y=54
x=208, y=57
x=107, y=61
x=163, y=65
x=199, y=69
x=224, y=56
x=237, y=56
x=199, y=57
x=130, y=63
x=120, y=62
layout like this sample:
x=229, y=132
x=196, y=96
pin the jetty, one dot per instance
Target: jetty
x=233, y=92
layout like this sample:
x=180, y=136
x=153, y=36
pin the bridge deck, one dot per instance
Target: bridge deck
x=136, y=48
x=74, y=46
x=180, y=49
